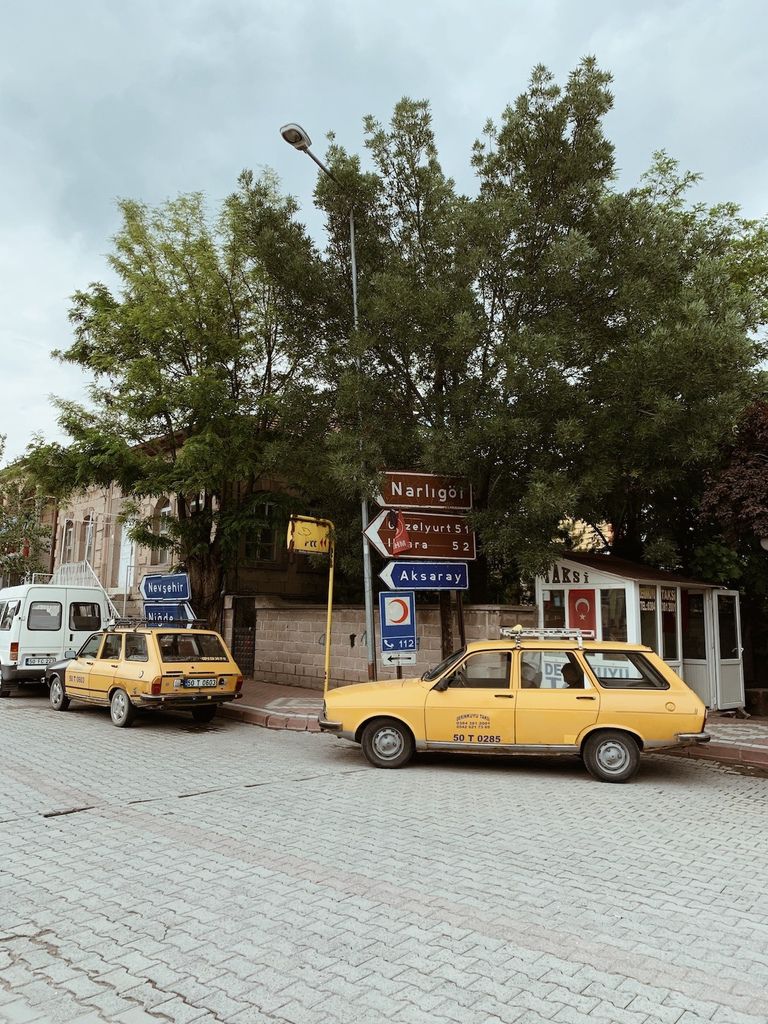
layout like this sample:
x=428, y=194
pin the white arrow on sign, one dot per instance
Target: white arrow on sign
x=398, y=657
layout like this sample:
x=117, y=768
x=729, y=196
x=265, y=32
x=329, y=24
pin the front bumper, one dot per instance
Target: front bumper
x=192, y=700
x=328, y=726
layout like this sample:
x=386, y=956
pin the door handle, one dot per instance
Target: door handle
x=585, y=698
x=504, y=696
x=115, y=666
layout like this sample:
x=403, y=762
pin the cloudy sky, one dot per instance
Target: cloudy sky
x=148, y=98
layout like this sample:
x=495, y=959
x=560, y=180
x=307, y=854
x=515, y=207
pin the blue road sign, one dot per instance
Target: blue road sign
x=426, y=575
x=397, y=615
x=179, y=612
x=170, y=587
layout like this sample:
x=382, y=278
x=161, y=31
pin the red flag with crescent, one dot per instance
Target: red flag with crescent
x=581, y=610
x=401, y=542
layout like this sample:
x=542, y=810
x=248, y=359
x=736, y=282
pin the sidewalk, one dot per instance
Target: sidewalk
x=734, y=740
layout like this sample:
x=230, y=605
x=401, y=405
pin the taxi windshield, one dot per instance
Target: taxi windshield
x=185, y=646
x=433, y=673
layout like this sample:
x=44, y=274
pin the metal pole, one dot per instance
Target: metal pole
x=370, y=636
x=329, y=614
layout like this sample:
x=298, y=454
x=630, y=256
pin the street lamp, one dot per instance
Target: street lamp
x=295, y=136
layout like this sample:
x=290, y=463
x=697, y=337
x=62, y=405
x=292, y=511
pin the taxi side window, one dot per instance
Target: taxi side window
x=551, y=670
x=136, y=647
x=486, y=670
x=112, y=646
x=90, y=647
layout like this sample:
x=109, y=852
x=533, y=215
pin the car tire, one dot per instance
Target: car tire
x=387, y=743
x=57, y=694
x=611, y=756
x=121, y=711
x=204, y=714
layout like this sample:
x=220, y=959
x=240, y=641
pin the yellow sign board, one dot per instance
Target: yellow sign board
x=311, y=536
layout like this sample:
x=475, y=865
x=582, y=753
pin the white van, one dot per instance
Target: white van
x=39, y=622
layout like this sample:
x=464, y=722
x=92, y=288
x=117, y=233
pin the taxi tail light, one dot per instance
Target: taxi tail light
x=238, y=684
x=156, y=686
x=14, y=652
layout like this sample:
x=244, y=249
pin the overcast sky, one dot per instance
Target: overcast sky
x=148, y=98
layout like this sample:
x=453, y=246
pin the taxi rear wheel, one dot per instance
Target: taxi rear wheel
x=611, y=756
x=58, y=695
x=121, y=709
x=387, y=743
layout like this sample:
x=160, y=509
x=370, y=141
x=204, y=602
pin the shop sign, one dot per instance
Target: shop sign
x=668, y=599
x=309, y=536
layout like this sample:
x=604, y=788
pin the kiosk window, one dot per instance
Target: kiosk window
x=613, y=614
x=44, y=615
x=726, y=624
x=554, y=609
x=694, y=644
x=649, y=633
x=669, y=622
x=84, y=615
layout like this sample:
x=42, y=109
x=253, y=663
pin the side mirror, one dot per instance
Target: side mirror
x=444, y=683
x=70, y=654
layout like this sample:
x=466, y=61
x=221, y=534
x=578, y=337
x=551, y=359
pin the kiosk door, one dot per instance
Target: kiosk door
x=729, y=670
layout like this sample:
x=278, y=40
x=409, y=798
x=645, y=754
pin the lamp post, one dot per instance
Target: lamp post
x=295, y=136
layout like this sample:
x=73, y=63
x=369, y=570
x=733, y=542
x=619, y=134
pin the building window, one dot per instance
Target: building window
x=613, y=614
x=649, y=630
x=160, y=519
x=87, y=538
x=554, y=609
x=68, y=541
x=261, y=545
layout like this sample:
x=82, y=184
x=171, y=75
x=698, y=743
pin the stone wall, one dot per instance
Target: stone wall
x=290, y=638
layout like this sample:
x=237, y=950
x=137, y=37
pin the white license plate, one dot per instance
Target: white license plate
x=197, y=684
x=39, y=661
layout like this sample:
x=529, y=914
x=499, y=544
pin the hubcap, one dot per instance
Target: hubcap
x=388, y=743
x=612, y=757
x=118, y=707
x=56, y=693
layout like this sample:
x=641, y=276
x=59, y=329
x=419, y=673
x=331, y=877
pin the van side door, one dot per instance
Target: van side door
x=83, y=618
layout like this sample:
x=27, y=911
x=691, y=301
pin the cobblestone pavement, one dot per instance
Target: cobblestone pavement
x=245, y=875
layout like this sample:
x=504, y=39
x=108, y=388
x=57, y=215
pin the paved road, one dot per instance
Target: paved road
x=235, y=874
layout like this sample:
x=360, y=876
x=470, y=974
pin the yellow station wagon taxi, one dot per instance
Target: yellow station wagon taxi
x=129, y=667
x=536, y=691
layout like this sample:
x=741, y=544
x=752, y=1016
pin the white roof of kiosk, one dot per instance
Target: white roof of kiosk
x=622, y=568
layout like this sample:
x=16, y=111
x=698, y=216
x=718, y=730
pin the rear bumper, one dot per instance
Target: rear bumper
x=192, y=700
x=682, y=739
x=23, y=673
x=328, y=726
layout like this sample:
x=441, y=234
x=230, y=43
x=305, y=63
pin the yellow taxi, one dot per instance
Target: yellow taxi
x=129, y=667
x=533, y=692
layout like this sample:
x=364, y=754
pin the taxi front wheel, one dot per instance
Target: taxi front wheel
x=121, y=709
x=57, y=695
x=611, y=756
x=387, y=743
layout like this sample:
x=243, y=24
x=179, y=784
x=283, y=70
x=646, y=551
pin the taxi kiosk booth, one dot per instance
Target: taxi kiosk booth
x=694, y=626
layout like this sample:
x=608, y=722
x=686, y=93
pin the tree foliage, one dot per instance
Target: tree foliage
x=24, y=537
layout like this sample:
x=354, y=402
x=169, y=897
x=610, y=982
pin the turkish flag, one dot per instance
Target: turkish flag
x=401, y=542
x=581, y=610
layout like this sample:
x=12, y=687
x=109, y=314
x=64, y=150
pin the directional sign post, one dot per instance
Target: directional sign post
x=397, y=615
x=403, y=490
x=432, y=536
x=398, y=658
x=426, y=575
x=168, y=612
x=168, y=587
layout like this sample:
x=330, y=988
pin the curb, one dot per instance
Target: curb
x=270, y=720
x=726, y=754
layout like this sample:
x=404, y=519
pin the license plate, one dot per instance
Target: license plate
x=197, y=684
x=39, y=661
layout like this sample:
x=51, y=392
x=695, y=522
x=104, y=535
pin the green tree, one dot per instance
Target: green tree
x=202, y=377
x=24, y=537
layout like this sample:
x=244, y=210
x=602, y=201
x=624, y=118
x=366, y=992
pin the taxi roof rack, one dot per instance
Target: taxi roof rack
x=518, y=633
x=132, y=623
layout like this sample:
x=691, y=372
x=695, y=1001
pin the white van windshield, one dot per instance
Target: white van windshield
x=8, y=612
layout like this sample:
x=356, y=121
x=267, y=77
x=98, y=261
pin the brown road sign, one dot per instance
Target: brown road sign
x=432, y=536
x=424, y=490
